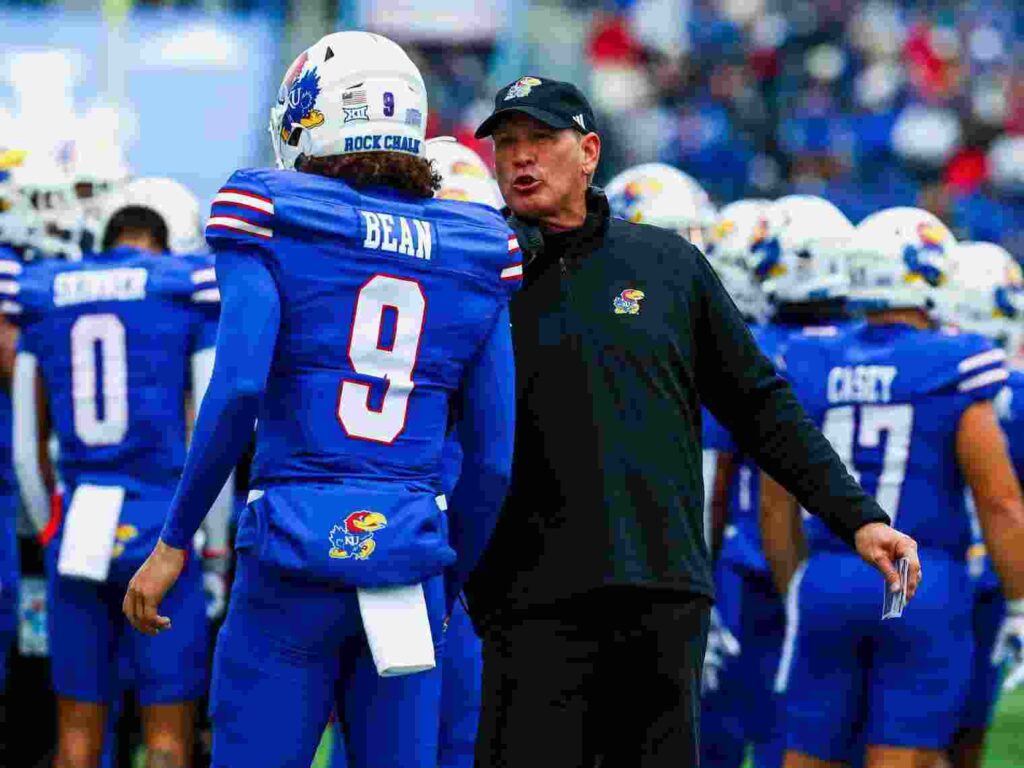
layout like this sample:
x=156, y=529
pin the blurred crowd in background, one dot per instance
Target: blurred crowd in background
x=870, y=104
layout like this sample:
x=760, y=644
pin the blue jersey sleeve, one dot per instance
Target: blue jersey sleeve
x=245, y=347
x=485, y=431
x=204, y=300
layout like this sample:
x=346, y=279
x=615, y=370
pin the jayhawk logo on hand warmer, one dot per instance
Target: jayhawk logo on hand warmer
x=354, y=537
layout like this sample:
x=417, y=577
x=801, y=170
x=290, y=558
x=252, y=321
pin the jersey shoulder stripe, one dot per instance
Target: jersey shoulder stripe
x=242, y=211
x=513, y=271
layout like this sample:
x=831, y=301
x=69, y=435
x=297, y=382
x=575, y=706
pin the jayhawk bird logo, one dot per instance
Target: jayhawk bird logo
x=299, y=94
x=521, y=88
x=354, y=537
x=918, y=258
x=628, y=302
x=628, y=203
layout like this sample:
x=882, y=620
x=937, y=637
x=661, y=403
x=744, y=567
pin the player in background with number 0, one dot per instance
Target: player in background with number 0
x=355, y=310
x=109, y=347
x=909, y=409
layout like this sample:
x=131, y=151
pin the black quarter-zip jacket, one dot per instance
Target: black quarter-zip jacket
x=621, y=332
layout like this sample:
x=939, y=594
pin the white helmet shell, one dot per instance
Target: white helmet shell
x=798, y=251
x=49, y=190
x=986, y=293
x=899, y=258
x=663, y=196
x=728, y=251
x=464, y=175
x=19, y=223
x=350, y=92
x=170, y=200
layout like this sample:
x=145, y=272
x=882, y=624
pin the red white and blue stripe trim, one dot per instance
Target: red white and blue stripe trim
x=513, y=271
x=242, y=211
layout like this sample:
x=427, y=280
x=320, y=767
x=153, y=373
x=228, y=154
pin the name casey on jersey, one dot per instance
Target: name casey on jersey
x=397, y=234
x=861, y=383
x=128, y=284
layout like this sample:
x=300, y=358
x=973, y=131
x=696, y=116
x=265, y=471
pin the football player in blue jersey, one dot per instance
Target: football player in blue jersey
x=15, y=214
x=793, y=251
x=356, y=309
x=106, y=347
x=465, y=177
x=986, y=298
x=909, y=408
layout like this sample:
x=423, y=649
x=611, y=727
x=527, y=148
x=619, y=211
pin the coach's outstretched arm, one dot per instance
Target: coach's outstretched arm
x=742, y=389
x=250, y=317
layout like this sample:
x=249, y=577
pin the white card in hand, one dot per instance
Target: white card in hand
x=89, y=527
x=397, y=629
x=895, y=602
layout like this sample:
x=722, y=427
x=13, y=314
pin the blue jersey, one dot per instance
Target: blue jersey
x=1009, y=404
x=889, y=399
x=9, y=263
x=113, y=336
x=742, y=542
x=385, y=300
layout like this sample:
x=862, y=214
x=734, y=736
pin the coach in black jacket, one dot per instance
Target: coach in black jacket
x=594, y=593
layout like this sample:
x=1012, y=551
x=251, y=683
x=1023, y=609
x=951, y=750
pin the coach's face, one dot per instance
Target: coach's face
x=543, y=172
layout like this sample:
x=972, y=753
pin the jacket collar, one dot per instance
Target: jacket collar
x=570, y=246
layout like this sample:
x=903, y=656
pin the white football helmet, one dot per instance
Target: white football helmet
x=170, y=200
x=728, y=251
x=986, y=293
x=49, y=190
x=663, y=196
x=464, y=176
x=98, y=170
x=797, y=251
x=349, y=92
x=19, y=223
x=899, y=258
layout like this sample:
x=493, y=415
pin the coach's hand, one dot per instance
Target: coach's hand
x=882, y=545
x=149, y=585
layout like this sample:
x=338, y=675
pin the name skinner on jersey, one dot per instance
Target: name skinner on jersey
x=128, y=284
x=861, y=383
x=397, y=234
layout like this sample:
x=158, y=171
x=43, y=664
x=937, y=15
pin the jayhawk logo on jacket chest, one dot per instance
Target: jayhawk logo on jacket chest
x=354, y=537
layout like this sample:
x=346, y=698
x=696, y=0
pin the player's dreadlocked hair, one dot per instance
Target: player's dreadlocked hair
x=413, y=175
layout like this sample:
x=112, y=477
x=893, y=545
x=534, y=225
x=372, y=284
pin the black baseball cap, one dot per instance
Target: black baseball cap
x=557, y=104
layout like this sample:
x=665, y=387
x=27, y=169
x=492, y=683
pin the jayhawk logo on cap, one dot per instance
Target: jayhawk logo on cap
x=354, y=537
x=628, y=302
x=521, y=88
x=299, y=93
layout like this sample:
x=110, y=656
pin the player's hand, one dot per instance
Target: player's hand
x=149, y=585
x=722, y=645
x=1009, y=645
x=882, y=545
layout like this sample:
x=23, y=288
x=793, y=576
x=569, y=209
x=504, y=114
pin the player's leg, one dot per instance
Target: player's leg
x=461, y=675
x=167, y=730
x=901, y=757
x=80, y=726
x=84, y=655
x=968, y=747
x=828, y=610
x=722, y=737
x=170, y=672
x=763, y=631
x=800, y=760
x=391, y=722
x=920, y=672
x=275, y=667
